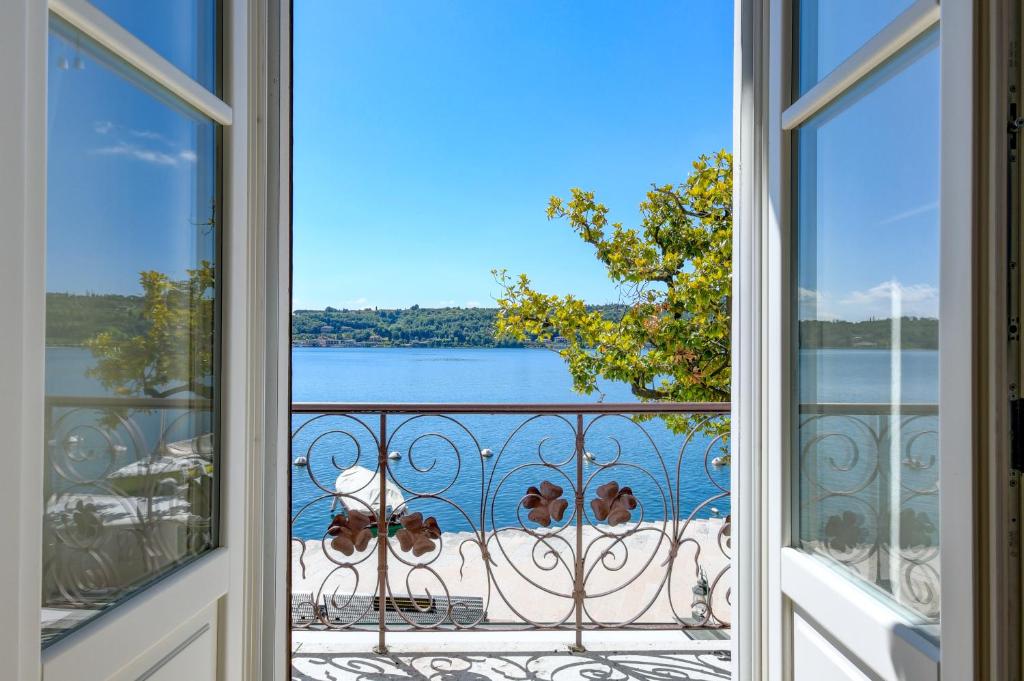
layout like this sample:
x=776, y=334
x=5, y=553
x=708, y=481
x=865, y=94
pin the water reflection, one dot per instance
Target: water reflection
x=131, y=371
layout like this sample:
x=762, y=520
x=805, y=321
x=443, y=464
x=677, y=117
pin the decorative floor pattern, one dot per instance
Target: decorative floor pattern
x=513, y=666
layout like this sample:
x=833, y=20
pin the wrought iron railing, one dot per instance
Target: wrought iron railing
x=541, y=516
x=130, y=489
x=869, y=495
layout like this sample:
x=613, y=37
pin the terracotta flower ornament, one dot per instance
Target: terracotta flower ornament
x=418, y=534
x=844, y=532
x=545, y=504
x=916, y=529
x=613, y=503
x=352, y=532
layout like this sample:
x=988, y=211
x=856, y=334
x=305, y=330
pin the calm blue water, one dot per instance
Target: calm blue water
x=865, y=376
x=651, y=457
x=473, y=492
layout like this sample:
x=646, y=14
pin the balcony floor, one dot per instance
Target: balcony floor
x=538, y=656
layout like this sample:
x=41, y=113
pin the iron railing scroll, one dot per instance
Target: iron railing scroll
x=130, y=489
x=869, y=497
x=440, y=517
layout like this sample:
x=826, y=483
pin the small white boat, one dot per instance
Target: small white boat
x=719, y=461
x=361, y=488
x=300, y=461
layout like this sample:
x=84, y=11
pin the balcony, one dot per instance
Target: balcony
x=577, y=520
x=555, y=538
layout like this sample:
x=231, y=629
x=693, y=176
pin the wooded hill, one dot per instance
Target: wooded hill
x=72, y=319
x=916, y=333
x=411, y=327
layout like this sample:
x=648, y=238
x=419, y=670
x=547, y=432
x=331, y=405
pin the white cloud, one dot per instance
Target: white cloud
x=149, y=135
x=815, y=305
x=887, y=290
x=920, y=210
x=138, y=153
x=158, y=150
x=914, y=300
x=808, y=294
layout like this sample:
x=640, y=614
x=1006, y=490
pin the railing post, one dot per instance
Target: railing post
x=577, y=590
x=382, y=536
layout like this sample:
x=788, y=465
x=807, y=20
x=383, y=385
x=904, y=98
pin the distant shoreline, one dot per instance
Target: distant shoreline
x=73, y=319
x=422, y=346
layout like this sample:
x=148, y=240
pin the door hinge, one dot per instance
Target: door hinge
x=1017, y=435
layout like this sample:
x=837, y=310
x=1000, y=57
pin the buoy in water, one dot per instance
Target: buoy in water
x=394, y=456
x=486, y=453
x=300, y=461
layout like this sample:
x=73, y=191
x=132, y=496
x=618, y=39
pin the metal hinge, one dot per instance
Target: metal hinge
x=1017, y=435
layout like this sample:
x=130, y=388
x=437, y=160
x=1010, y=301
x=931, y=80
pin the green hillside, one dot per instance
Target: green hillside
x=72, y=319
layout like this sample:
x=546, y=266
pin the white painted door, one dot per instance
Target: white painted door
x=869, y=340
x=127, y=279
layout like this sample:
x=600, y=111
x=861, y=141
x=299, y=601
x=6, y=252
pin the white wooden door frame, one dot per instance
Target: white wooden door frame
x=23, y=42
x=219, y=586
x=766, y=351
x=749, y=633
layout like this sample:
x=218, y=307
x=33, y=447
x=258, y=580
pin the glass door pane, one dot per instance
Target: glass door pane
x=130, y=469
x=867, y=302
x=829, y=31
x=184, y=32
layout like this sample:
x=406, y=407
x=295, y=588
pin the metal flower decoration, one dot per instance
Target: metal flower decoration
x=545, y=504
x=845, y=531
x=613, y=503
x=86, y=519
x=352, y=532
x=417, y=534
x=916, y=529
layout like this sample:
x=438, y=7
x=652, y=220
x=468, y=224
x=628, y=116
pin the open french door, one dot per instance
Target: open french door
x=144, y=341
x=869, y=337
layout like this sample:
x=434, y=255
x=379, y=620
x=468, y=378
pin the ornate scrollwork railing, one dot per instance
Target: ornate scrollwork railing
x=440, y=517
x=869, y=485
x=130, y=485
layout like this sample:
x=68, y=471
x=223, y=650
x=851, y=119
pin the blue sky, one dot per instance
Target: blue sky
x=130, y=177
x=869, y=217
x=429, y=136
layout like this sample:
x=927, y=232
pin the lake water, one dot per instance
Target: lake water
x=446, y=477
x=661, y=471
x=474, y=492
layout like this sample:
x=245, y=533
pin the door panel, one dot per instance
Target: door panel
x=134, y=575
x=873, y=634
x=814, y=658
x=131, y=470
x=190, y=652
x=866, y=221
x=859, y=305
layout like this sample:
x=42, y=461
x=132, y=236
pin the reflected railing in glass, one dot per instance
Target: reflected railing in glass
x=492, y=516
x=130, y=492
x=869, y=483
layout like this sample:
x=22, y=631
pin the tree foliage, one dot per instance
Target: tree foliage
x=174, y=352
x=674, y=275
x=446, y=327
